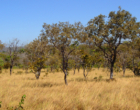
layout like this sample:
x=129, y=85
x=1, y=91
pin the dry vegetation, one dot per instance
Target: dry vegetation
x=50, y=92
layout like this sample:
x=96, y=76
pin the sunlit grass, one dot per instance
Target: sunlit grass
x=50, y=92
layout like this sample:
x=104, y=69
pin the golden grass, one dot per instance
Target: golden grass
x=50, y=92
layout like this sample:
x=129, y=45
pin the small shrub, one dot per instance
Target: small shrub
x=100, y=77
x=6, y=65
x=19, y=72
x=31, y=71
x=95, y=77
x=46, y=74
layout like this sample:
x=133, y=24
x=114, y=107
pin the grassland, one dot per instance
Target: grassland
x=50, y=92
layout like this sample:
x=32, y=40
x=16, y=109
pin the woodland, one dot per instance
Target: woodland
x=108, y=47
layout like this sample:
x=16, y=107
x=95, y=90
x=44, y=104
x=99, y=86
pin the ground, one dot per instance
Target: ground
x=50, y=92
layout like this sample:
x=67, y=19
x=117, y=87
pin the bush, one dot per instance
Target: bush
x=100, y=77
x=6, y=65
x=46, y=74
x=19, y=72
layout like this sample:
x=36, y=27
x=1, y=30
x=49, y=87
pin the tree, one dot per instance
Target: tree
x=12, y=51
x=108, y=35
x=37, y=54
x=86, y=59
x=63, y=36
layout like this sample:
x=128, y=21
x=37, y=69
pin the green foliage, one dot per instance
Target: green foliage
x=22, y=50
x=1, y=62
x=7, y=58
x=21, y=102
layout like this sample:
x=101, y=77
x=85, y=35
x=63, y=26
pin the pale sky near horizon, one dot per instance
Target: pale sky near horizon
x=23, y=19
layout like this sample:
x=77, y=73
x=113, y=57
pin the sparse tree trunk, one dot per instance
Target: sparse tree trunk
x=74, y=69
x=84, y=72
x=51, y=68
x=37, y=74
x=123, y=72
x=26, y=70
x=74, y=72
x=87, y=72
x=11, y=67
x=133, y=64
x=78, y=69
x=65, y=78
x=98, y=67
x=111, y=70
x=119, y=69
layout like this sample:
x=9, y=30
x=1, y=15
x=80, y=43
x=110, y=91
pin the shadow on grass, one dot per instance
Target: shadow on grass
x=29, y=78
x=42, y=85
x=95, y=80
x=129, y=76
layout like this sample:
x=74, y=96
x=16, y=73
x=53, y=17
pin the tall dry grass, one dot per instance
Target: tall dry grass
x=50, y=92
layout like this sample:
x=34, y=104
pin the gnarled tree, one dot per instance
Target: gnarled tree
x=12, y=51
x=36, y=52
x=108, y=35
x=63, y=37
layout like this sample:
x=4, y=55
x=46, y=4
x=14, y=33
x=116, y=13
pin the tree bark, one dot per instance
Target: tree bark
x=74, y=69
x=37, y=74
x=51, y=68
x=74, y=72
x=111, y=70
x=65, y=78
x=78, y=69
x=11, y=67
x=84, y=73
x=124, y=71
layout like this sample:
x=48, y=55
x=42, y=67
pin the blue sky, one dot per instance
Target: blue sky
x=23, y=19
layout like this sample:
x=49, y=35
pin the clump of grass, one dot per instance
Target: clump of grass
x=100, y=77
x=19, y=72
x=80, y=79
x=19, y=107
x=46, y=73
x=95, y=78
